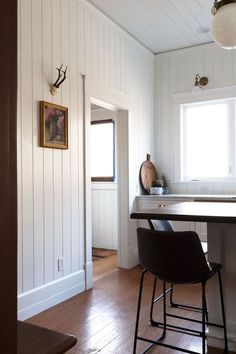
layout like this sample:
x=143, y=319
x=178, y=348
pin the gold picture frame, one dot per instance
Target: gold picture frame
x=53, y=126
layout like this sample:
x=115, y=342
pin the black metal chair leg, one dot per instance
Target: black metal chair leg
x=203, y=319
x=223, y=313
x=153, y=299
x=164, y=309
x=207, y=319
x=171, y=295
x=138, y=311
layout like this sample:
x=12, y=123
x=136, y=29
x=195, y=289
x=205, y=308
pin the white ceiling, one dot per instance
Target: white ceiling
x=161, y=25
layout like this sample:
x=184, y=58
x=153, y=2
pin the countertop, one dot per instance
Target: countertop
x=194, y=197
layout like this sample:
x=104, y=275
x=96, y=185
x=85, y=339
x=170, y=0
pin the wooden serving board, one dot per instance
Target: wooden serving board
x=148, y=174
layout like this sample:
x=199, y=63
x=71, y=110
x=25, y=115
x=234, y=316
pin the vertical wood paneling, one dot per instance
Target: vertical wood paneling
x=158, y=112
x=94, y=47
x=76, y=16
x=95, y=218
x=122, y=64
x=217, y=65
x=100, y=44
x=227, y=68
x=207, y=66
x=234, y=67
x=114, y=205
x=57, y=154
x=165, y=110
x=66, y=166
x=117, y=61
x=104, y=218
x=112, y=58
x=106, y=58
x=181, y=67
x=47, y=74
x=88, y=43
x=27, y=156
x=38, y=201
x=50, y=181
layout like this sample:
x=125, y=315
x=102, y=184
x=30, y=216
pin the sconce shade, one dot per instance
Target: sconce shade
x=223, y=28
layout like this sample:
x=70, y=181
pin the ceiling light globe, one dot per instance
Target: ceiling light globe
x=223, y=27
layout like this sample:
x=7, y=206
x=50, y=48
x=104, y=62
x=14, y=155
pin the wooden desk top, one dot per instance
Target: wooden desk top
x=38, y=340
x=214, y=212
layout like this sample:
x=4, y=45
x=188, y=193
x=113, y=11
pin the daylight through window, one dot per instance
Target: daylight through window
x=102, y=150
x=207, y=140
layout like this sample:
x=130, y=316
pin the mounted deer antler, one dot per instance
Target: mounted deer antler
x=59, y=80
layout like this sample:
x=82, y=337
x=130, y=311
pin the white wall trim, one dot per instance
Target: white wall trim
x=104, y=186
x=207, y=95
x=107, y=94
x=133, y=256
x=89, y=275
x=215, y=336
x=120, y=100
x=37, y=300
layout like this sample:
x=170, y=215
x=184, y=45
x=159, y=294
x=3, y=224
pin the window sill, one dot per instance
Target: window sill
x=202, y=181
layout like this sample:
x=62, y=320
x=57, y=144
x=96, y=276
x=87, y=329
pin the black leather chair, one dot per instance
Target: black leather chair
x=176, y=258
x=166, y=225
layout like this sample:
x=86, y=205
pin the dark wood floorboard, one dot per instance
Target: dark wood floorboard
x=104, y=266
x=103, y=318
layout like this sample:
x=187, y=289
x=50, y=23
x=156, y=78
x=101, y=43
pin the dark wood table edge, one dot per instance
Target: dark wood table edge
x=145, y=215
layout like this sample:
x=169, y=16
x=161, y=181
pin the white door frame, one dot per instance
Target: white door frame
x=92, y=90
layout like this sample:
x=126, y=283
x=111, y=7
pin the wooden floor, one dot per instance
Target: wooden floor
x=104, y=266
x=103, y=318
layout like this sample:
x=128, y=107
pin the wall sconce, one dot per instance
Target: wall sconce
x=61, y=77
x=223, y=27
x=199, y=83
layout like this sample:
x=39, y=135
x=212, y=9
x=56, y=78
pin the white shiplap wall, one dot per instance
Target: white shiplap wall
x=50, y=181
x=104, y=214
x=174, y=74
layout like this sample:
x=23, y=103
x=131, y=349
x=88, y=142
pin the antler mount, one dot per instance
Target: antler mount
x=61, y=77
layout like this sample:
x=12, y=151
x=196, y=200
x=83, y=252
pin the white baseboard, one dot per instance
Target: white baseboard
x=133, y=257
x=89, y=274
x=215, y=336
x=37, y=300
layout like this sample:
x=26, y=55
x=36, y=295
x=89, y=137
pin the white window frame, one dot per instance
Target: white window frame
x=180, y=100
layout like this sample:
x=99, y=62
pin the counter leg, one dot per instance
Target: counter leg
x=221, y=240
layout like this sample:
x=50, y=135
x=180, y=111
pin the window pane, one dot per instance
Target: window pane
x=206, y=141
x=102, y=150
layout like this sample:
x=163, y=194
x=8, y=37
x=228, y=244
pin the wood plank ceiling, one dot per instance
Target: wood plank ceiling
x=161, y=25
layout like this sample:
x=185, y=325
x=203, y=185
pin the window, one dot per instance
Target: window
x=207, y=140
x=102, y=150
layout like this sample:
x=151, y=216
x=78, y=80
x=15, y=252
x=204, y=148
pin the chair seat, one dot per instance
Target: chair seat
x=33, y=339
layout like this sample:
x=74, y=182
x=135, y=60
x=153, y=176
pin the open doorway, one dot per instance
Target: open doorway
x=111, y=100
x=104, y=188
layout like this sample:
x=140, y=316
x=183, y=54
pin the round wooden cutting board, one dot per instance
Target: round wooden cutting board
x=148, y=174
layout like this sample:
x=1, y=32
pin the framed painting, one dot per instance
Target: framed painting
x=53, y=125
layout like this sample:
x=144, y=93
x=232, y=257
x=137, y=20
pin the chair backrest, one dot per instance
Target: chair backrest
x=174, y=257
x=166, y=225
x=161, y=225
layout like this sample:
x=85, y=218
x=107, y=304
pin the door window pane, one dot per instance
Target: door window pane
x=102, y=150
